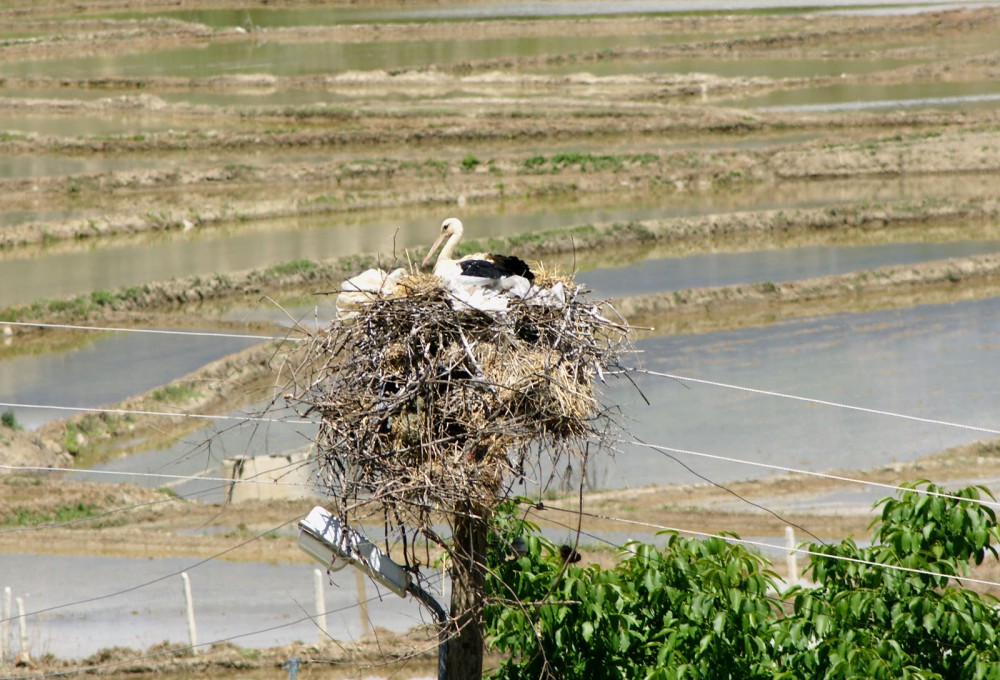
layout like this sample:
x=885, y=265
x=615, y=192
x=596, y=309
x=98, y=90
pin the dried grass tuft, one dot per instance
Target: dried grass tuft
x=424, y=408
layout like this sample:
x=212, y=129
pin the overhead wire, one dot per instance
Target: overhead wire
x=155, y=331
x=679, y=378
x=656, y=447
x=756, y=543
x=158, y=579
x=185, y=648
x=171, y=414
x=225, y=483
x=662, y=449
x=810, y=473
x=810, y=400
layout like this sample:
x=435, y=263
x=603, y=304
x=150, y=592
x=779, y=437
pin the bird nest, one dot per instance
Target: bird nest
x=425, y=404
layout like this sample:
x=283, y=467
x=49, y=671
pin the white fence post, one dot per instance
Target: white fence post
x=25, y=652
x=192, y=631
x=792, y=558
x=320, y=605
x=360, y=579
x=5, y=626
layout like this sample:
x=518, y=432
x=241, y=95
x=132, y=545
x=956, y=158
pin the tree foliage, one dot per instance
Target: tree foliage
x=711, y=608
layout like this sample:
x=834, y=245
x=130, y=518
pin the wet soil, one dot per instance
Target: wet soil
x=484, y=132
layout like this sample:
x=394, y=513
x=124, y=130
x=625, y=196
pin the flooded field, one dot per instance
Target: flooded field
x=212, y=167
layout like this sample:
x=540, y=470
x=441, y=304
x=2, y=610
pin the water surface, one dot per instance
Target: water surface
x=929, y=361
x=107, y=370
x=278, y=17
x=300, y=59
x=277, y=613
x=786, y=264
x=855, y=96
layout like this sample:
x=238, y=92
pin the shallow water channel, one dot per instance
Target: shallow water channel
x=927, y=362
x=280, y=17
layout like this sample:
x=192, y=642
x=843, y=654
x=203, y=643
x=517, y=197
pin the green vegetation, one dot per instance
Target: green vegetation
x=587, y=162
x=469, y=162
x=290, y=268
x=23, y=517
x=709, y=608
x=9, y=420
x=172, y=393
x=103, y=298
x=80, y=434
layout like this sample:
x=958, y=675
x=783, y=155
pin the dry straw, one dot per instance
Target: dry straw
x=425, y=408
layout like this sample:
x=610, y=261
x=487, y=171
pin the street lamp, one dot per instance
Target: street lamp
x=336, y=545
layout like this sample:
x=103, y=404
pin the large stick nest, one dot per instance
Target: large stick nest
x=424, y=407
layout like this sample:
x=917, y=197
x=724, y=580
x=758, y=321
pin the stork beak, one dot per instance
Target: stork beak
x=434, y=247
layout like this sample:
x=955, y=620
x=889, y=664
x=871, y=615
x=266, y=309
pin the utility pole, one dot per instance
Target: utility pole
x=465, y=653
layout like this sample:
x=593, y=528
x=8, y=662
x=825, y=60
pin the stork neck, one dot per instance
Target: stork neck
x=449, y=247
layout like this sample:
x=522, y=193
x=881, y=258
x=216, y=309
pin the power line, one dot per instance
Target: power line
x=810, y=400
x=125, y=329
x=185, y=648
x=131, y=412
x=764, y=544
x=679, y=378
x=153, y=475
x=158, y=579
x=656, y=447
x=821, y=475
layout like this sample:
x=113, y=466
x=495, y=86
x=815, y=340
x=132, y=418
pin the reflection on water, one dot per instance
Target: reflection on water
x=111, y=265
x=858, y=97
x=95, y=124
x=105, y=371
x=786, y=264
x=930, y=361
x=744, y=67
x=278, y=17
x=299, y=59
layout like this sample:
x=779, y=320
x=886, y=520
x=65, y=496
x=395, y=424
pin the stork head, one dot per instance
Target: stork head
x=451, y=231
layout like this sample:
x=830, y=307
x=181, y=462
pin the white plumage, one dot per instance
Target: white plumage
x=487, y=270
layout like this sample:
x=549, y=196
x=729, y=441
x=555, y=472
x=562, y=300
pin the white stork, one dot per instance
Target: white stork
x=486, y=270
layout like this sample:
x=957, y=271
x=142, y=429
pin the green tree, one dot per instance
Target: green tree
x=910, y=617
x=708, y=608
x=687, y=610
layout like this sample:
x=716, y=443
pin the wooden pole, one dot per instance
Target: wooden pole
x=192, y=630
x=468, y=569
x=320, y=606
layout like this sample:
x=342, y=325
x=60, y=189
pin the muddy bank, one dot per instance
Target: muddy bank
x=219, y=388
x=707, y=232
x=123, y=520
x=412, y=654
x=737, y=306
x=146, y=201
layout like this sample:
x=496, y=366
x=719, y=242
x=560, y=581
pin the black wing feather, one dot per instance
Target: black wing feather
x=513, y=265
x=498, y=267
